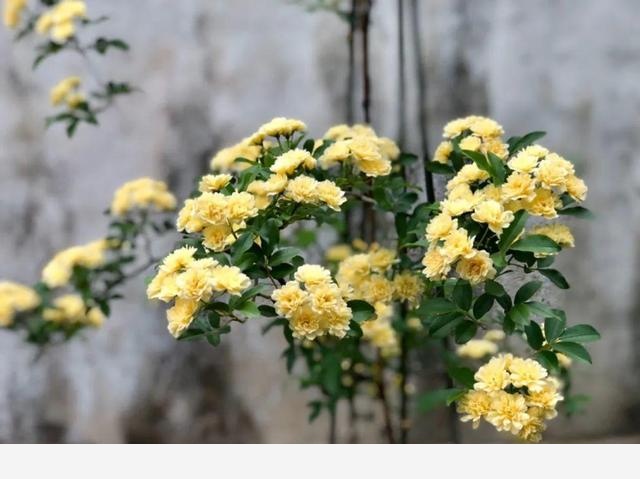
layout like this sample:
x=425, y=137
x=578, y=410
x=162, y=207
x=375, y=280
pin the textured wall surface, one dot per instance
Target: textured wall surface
x=210, y=71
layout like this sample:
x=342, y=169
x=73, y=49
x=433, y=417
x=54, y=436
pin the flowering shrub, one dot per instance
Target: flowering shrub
x=79, y=283
x=355, y=319
x=59, y=23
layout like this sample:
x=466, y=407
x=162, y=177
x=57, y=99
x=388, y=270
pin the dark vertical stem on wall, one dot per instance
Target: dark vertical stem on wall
x=404, y=373
x=351, y=76
x=452, y=415
x=366, y=77
x=384, y=400
x=422, y=97
x=402, y=94
x=332, y=424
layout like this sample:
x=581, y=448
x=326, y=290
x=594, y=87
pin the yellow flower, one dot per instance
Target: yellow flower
x=225, y=159
x=95, y=317
x=473, y=406
x=476, y=349
x=213, y=183
x=15, y=298
x=230, y=279
x=335, y=153
x=339, y=132
x=178, y=260
x=546, y=397
x=527, y=373
x=220, y=237
x=12, y=13
x=195, y=283
x=494, y=335
x=559, y=233
x=289, y=161
x=67, y=309
x=493, y=214
x=338, y=252
x=476, y=268
x=312, y=275
x=508, y=412
x=376, y=289
x=380, y=258
x=576, y=188
x=354, y=269
x=543, y=204
x=277, y=127
x=565, y=361
x=456, y=127
x=305, y=323
x=408, y=287
x=388, y=148
x=415, y=324
x=489, y=192
x=181, y=315
x=382, y=335
x=188, y=219
x=240, y=206
x=533, y=427
x=142, y=193
x=289, y=298
x=460, y=200
x=457, y=244
x=471, y=143
x=442, y=153
x=58, y=22
x=330, y=194
x=486, y=127
x=524, y=162
x=493, y=376
x=468, y=174
x=325, y=298
x=368, y=157
x=553, y=171
x=163, y=286
x=519, y=186
x=440, y=227
x=302, y=189
x=436, y=264
x=58, y=271
x=61, y=91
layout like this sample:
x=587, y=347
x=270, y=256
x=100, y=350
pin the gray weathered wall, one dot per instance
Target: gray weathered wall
x=210, y=72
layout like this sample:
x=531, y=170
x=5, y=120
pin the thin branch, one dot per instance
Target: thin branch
x=382, y=396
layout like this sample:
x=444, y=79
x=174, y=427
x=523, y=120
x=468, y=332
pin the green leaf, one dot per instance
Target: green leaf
x=331, y=372
x=439, y=168
x=499, y=171
x=573, y=350
x=440, y=397
x=553, y=328
x=548, y=359
x=362, y=311
x=283, y=255
x=536, y=244
x=519, y=314
x=462, y=294
x=437, y=306
x=465, y=331
x=555, y=277
x=443, y=325
x=581, y=333
x=527, y=291
x=494, y=289
x=578, y=212
x=534, y=335
x=463, y=375
x=249, y=309
x=243, y=244
x=541, y=309
x=482, y=305
x=267, y=311
x=526, y=140
x=510, y=234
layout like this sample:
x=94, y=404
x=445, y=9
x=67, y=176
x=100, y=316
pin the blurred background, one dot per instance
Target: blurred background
x=210, y=72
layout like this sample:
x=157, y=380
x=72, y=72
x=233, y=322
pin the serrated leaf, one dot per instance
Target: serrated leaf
x=573, y=350
x=527, y=291
x=580, y=333
x=555, y=277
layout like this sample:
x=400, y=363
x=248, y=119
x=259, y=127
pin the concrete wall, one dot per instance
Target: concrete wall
x=210, y=72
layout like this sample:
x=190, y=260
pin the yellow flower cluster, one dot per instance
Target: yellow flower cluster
x=142, y=193
x=479, y=348
x=217, y=216
x=71, y=310
x=313, y=304
x=277, y=127
x=189, y=282
x=522, y=412
x=67, y=91
x=536, y=180
x=369, y=153
x=15, y=298
x=225, y=159
x=559, y=233
x=58, y=22
x=12, y=12
x=380, y=333
x=58, y=271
